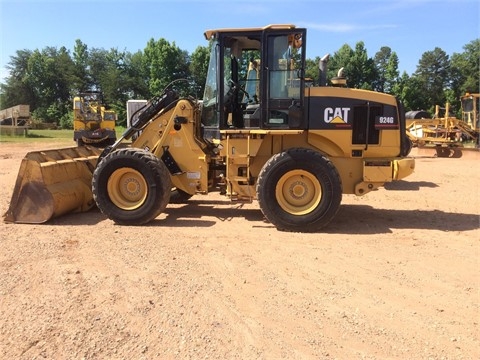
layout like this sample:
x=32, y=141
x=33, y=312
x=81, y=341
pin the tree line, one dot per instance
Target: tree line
x=48, y=79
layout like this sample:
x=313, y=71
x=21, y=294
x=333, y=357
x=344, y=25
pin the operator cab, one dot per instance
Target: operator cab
x=255, y=80
x=470, y=110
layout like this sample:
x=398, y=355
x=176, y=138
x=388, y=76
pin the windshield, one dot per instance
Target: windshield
x=467, y=104
x=470, y=106
x=209, y=111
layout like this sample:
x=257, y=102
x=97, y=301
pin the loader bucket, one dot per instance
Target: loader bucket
x=51, y=183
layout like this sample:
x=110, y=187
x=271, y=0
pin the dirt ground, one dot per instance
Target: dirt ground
x=395, y=276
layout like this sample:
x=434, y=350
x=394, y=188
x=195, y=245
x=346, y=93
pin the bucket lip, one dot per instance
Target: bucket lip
x=63, y=153
x=36, y=197
x=32, y=203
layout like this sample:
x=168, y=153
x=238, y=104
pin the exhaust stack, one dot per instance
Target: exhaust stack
x=322, y=66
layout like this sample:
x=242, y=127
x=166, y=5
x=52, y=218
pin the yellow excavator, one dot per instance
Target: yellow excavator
x=292, y=147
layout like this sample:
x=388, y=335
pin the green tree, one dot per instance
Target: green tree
x=359, y=69
x=312, y=69
x=16, y=90
x=81, y=67
x=165, y=63
x=116, y=82
x=381, y=60
x=49, y=76
x=113, y=78
x=391, y=73
x=386, y=64
x=466, y=69
x=97, y=66
x=433, y=76
x=341, y=59
x=137, y=76
x=48, y=79
x=408, y=90
x=198, y=68
x=362, y=68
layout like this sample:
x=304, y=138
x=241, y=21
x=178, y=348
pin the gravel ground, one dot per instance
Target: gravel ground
x=395, y=276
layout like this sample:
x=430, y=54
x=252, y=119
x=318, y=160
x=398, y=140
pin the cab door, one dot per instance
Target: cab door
x=282, y=78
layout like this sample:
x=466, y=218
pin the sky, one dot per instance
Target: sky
x=408, y=27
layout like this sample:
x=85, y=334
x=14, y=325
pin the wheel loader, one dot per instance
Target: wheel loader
x=259, y=134
x=93, y=123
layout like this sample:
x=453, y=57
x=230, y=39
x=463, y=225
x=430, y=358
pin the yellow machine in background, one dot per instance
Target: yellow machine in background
x=93, y=124
x=446, y=130
x=293, y=147
x=470, y=109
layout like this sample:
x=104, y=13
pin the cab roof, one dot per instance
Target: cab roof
x=210, y=33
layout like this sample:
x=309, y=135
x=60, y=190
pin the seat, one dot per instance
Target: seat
x=252, y=83
x=252, y=115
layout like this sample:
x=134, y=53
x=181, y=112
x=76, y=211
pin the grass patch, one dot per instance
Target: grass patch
x=50, y=134
x=46, y=135
x=34, y=135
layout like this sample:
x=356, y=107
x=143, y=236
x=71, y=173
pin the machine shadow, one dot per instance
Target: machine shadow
x=91, y=217
x=403, y=185
x=350, y=219
x=364, y=219
x=190, y=214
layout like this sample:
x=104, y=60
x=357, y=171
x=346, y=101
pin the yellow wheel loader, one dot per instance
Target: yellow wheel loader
x=93, y=123
x=293, y=148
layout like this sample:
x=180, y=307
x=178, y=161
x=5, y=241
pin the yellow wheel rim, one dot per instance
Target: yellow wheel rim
x=298, y=192
x=127, y=188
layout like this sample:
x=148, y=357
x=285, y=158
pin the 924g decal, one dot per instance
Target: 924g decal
x=343, y=113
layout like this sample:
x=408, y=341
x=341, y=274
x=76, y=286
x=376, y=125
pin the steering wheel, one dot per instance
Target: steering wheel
x=234, y=87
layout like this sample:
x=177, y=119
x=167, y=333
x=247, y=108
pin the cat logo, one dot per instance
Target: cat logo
x=337, y=115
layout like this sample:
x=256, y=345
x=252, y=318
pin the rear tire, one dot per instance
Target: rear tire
x=299, y=190
x=131, y=186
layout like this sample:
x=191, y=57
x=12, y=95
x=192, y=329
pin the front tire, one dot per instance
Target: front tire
x=299, y=190
x=131, y=186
